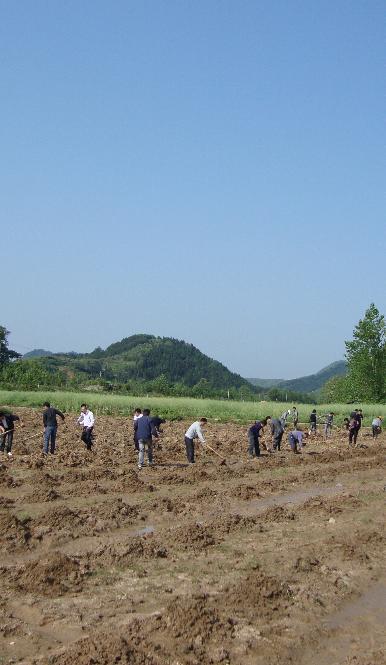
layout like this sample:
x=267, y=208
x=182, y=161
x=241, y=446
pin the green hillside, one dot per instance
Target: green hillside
x=305, y=384
x=140, y=358
x=265, y=383
x=314, y=382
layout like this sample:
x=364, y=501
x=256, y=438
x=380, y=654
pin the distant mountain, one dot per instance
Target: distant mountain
x=306, y=384
x=37, y=353
x=42, y=353
x=265, y=383
x=144, y=358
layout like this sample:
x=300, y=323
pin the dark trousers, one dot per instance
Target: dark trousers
x=376, y=430
x=50, y=439
x=353, y=435
x=189, y=443
x=6, y=442
x=136, y=444
x=277, y=441
x=87, y=437
x=253, y=446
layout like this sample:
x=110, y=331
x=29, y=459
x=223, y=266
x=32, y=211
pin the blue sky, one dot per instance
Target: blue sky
x=211, y=171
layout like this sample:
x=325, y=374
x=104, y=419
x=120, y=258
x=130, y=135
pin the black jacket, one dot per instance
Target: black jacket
x=49, y=417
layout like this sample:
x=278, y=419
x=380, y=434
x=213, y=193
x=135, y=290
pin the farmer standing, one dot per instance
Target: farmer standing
x=353, y=428
x=50, y=427
x=7, y=423
x=137, y=414
x=145, y=431
x=355, y=425
x=295, y=416
x=277, y=431
x=253, y=438
x=328, y=424
x=313, y=418
x=87, y=420
x=194, y=432
x=283, y=418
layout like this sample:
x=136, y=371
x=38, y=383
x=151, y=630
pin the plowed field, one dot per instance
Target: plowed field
x=274, y=560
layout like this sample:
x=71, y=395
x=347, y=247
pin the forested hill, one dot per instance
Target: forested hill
x=146, y=358
x=306, y=384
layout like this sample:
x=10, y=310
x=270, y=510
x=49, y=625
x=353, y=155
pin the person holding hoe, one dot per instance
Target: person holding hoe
x=194, y=432
x=7, y=428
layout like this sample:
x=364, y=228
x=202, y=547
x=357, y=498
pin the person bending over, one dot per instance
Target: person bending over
x=7, y=423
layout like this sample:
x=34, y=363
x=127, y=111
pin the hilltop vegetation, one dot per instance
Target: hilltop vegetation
x=138, y=364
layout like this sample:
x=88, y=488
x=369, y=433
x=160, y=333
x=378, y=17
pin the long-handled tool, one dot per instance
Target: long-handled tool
x=31, y=437
x=223, y=461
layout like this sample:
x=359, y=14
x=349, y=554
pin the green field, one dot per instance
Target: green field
x=178, y=408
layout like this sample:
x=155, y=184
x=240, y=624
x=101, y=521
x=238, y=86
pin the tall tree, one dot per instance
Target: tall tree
x=6, y=354
x=366, y=357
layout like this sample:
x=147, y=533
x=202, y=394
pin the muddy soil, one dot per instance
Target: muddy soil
x=267, y=561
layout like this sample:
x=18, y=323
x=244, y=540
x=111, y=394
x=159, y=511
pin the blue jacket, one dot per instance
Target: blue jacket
x=144, y=428
x=255, y=430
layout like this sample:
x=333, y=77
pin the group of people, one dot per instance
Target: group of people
x=296, y=435
x=277, y=428
x=147, y=430
x=50, y=424
x=354, y=423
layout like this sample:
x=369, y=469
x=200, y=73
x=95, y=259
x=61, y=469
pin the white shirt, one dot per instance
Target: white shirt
x=86, y=419
x=194, y=432
x=137, y=415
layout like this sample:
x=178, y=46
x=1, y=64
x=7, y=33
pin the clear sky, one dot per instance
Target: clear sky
x=211, y=171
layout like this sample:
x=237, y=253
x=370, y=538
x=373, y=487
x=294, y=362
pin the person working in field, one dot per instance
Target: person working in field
x=313, y=419
x=87, y=420
x=353, y=429
x=145, y=431
x=50, y=427
x=376, y=426
x=283, y=418
x=356, y=417
x=277, y=431
x=346, y=424
x=157, y=422
x=295, y=416
x=7, y=428
x=254, y=434
x=137, y=414
x=328, y=424
x=295, y=439
x=194, y=432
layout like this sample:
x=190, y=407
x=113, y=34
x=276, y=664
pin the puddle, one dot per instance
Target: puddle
x=300, y=496
x=371, y=604
x=36, y=628
x=142, y=532
x=356, y=630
